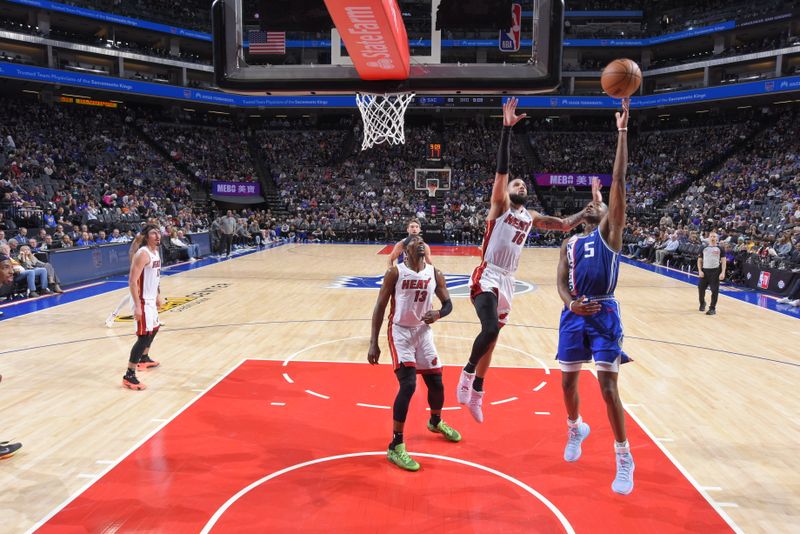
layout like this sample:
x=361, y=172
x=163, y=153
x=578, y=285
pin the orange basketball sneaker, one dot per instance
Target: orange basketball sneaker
x=131, y=382
x=146, y=364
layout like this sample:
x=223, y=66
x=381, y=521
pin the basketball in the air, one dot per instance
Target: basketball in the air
x=621, y=78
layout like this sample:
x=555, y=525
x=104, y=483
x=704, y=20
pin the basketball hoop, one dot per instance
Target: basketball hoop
x=384, y=118
x=432, y=187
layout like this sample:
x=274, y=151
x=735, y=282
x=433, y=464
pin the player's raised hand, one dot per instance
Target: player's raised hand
x=510, y=117
x=622, y=118
x=597, y=185
x=583, y=306
x=374, y=353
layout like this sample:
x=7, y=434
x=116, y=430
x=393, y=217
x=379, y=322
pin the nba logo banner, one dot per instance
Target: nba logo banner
x=763, y=280
x=509, y=40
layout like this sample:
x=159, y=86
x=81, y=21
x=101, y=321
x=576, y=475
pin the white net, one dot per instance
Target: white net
x=384, y=117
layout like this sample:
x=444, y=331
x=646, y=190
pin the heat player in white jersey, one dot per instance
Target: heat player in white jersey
x=144, y=283
x=492, y=286
x=126, y=299
x=410, y=287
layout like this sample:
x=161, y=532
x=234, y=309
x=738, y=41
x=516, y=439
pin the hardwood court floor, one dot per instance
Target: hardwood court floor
x=719, y=392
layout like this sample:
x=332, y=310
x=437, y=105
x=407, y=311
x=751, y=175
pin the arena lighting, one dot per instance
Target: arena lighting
x=664, y=115
x=743, y=107
x=259, y=116
x=218, y=112
x=31, y=91
x=702, y=111
x=188, y=109
x=784, y=102
x=117, y=101
x=75, y=96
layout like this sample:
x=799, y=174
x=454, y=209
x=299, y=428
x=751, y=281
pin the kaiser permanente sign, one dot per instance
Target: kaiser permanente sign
x=135, y=87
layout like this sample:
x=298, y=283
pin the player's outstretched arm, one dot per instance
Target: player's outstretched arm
x=576, y=305
x=500, y=200
x=444, y=297
x=613, y=224
x=546, y=222
x=396, y=251
x=378, y=313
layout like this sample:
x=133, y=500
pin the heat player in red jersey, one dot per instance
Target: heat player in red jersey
x=410, y=286
x=492, y=285
x=144, y=283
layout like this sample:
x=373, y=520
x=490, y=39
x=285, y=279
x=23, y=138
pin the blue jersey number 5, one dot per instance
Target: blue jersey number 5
x=588, y=249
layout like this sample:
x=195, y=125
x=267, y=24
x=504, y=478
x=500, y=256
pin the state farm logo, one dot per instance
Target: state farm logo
x=370, y=37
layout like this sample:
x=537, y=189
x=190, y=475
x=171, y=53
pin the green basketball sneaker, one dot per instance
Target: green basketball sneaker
x=450, y=433
x=399, y=457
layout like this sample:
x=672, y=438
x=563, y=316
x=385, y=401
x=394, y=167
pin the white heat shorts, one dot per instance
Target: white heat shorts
x=414, y=347
x=486, y=278
x=149, y=322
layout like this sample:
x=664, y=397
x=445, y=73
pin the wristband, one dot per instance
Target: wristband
x=622, y=129
x=570, y=305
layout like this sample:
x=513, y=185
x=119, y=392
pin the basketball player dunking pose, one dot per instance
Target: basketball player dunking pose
x=413, y=228
x=144, y=281
x=590, y=323
x=492, y=284
x=411, y=286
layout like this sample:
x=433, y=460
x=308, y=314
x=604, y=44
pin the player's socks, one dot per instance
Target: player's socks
x=435, y=418
x=477, y=384
x=578, y=431
x=464, y=388
x=397, y=438
x=469, y=368
x=623, y=482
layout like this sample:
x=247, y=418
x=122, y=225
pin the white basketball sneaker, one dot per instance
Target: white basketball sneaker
x=475, y=405
x=464, y=389
x=575, y=436
x=623, y=483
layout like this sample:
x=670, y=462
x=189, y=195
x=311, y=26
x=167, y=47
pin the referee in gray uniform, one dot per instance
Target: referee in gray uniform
x=228, y=227
x=711, y=267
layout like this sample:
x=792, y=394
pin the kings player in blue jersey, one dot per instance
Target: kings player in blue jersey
x=590, y=327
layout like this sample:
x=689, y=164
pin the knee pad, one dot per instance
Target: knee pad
x=407, y=377
x=433, y=381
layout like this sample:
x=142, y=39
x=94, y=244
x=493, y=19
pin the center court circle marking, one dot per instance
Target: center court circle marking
x=230, y=502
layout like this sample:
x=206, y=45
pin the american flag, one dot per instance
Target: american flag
x=267, y=42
